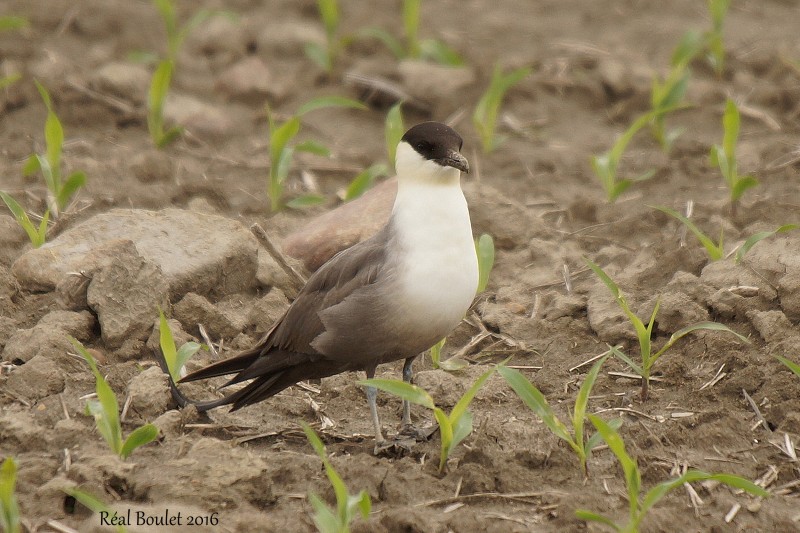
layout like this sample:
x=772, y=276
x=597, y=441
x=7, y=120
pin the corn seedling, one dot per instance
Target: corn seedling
x=326, y=520
x=95, y=505
x=756, y=237
x=393, y=130
x=413, y=47
x=106, y=414
x=639, y=505
x=724, y=157
x=484, y=249
x=667, y=95
x=454, y=427
x=644, y=332
x=36, y=233
x=487, y=111
x=715, y=44
x=175, y=357
x=9, y=510
x=12, y=22
x=606, y=164
x=536, y=401
x=281, y=148
x=451, y=365
x=715, y=250
x=49, y=164
x=324, y=56
x=364, y=181
x=7, y=81
x=162, y=76
x=794, y=367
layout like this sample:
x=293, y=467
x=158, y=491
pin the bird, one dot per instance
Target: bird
x=387, y=298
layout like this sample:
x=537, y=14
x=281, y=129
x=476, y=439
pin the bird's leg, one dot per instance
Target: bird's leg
x=372, y=394
x=407, y=375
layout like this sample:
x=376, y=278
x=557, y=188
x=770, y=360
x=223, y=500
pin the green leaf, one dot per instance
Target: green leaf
x=461, y=428
x=7, y=81
x=168, y=349
x=138, y=437
x=169, y=136
x=54, y=137
x=582, y=400
x=715, y=251
x=159, y=86
x=329, y=13
x=9, y=509
x=589, y=516
x=436, y=353
x=712, y=326
x=487, y=110
x=391, y=42
x=484, y=248
x=185, y=352
x=453, y=364
x=329, y=101
x=364, y=503
x=305, y=200
x=92, y=503
x=22, y=219
x=628, y=361
x=596, y=438
x=536, y=401
x=280, y=136
x=605, y=278
x=325, y=520
x=755, y=238
x=393, y=130
x=690, y=45
x=71, y=185
x=446, y=433
x=313, y=147
x=741, y=185
x=794, y=367
x=659, y=491
x=404, y=390
x=730, y=125
x=411, y=9
x=41, y=232
x=617, y=445
x=440, y=53
x=461, y=406
x=364, y=181
x=10, y=22
x=319, y=55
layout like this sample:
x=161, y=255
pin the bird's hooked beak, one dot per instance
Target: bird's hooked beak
x=456, y=160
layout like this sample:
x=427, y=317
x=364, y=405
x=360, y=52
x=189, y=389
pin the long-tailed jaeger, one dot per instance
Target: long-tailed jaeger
x=387, y=298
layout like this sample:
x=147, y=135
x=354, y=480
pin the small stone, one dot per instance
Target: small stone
x=247, y=81
x=150, y=394
x=170, y=424
x=38, y=378
x=199, y=117
x=290, y=37
x=152, y=166
x=425, y=80
x=267, y=310
x=773, y=326
x=50, y=337
x=219, y=36
x=445, y=388
x=193, y=309
x=129, y=81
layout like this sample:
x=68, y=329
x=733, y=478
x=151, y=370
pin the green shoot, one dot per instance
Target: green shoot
x=488, y=109
x=451, y=364
x=724, y=157
x=325, y=56
x=162, y=77
x=536, y=401
x=326, y=520
x=794, y=367
x=9, y=510
x=364, y=181
x=414, y=48
x=718, y=9
x=95, y=505
x=36, y=234
x=106, y=415
x=175, y=357
x=715, y=250
x=756, y=237
x=11, y=22
x=393, y=129
x=282, y=149
x=605, y=165
x=644, y=332
x=7, y=81
x=49, y=163
x=484, y=248
x=454, y=427
x=639, y=506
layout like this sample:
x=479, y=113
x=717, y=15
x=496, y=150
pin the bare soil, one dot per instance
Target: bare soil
x=593, y=62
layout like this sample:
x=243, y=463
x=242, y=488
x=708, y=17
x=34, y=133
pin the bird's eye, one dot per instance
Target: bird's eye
x=422, y=146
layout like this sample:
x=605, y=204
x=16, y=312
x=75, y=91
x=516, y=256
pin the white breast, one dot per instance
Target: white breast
x=438, y=268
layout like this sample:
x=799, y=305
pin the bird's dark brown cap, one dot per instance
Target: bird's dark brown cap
x=439, y=143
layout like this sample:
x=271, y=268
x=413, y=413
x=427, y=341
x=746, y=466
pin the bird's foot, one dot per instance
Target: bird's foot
x=405, y=440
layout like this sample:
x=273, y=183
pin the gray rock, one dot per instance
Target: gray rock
x=248, y=81
x=8, y=287
x=789, y=291
x=170, y=424
x=126, y=294
x=193, y=309
x=124, y=80
x=677, y=310
x=425, y=80
x=219, y=36
x=267, y=310
x=196, y=252
x=445, y=388
x=773, y=326
x=149, y=393
x=201, y=118
x=153, y=166
x=605, y=316
x=50, y=336
x=38, y=378
x=7, y=328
